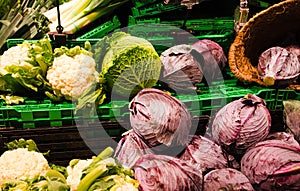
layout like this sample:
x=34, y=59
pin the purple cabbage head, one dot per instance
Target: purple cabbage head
x=160, y=119
x=166, y=173
x=283, y=136
x=273, y=164
x=226, y=179
x=181, y=70
x=241, y=123
x=205, y=153
x=130, y=148
x=278, y=64
x=214, y=58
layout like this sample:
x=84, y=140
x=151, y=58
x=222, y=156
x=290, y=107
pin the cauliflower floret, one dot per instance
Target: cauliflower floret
x=20, y=164
x=123, y=183
x=75, y=173
x=72, y=76
x=16, y=55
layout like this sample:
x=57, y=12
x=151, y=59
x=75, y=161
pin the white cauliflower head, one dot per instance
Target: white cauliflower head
x=124, y=183
x=72, y=76
x=20, y=164
x=75, y=173
x=16, y=55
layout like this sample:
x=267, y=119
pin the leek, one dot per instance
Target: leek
x=78, y=6
x=64, y=9
x=84, y=21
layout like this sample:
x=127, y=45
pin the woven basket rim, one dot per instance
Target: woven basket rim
x=240, y=64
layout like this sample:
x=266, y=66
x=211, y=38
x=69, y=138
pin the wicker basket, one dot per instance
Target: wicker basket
x=270, y=27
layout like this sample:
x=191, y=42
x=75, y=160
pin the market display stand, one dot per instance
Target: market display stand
x=66, y=142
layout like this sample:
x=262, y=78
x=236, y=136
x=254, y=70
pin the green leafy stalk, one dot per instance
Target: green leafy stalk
x=87, y=181
x=24, y=19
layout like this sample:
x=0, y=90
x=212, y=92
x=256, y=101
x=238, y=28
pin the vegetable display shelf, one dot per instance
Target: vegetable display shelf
x=69, y=142
x=69, y=43
x=34, y=114
x=44, y=113
x=205, y=24
x=159, y=36
x=154, y=9
x=102, y=30
x=165, y=34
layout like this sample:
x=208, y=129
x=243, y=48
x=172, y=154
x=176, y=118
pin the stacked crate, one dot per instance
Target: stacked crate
x=165, y=25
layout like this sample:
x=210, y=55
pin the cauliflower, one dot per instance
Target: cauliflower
x=124, y=183
x=72, y=76
x=21, y=164
x=23, y=69
x=16, y=55
x=75, y=172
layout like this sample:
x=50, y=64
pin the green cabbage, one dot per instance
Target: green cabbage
x=127, y=64
x=130, y=64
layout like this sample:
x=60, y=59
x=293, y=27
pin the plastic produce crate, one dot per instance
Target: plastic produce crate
x=165, y=34
x=142, y=3
x=154, y=9
x=102, y=30
x=33, y=114
x=193, y=24
x=69, y=43
x=210, y=99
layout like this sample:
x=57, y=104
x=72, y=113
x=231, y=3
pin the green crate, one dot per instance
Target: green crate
x=215, y=24
x=32, y=114
x=69, y=43
x=142, y=3
x=102, y=30
x=210, y=99
x=154, y=9
x=282, y=95
x=162, y=36
x=15, y=41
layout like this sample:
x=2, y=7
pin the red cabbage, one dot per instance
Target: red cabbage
x=130, y=148
x=273, y=164
x=160, y=119
x=283, y=136
x=277, y=64
x=226, y=179
x=241, y=123
x=181, y=71
x=205, y=153
x=295, y=50
x=166, y=173
x=214, y=58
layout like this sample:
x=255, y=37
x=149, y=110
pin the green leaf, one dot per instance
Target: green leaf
x=102, y=185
